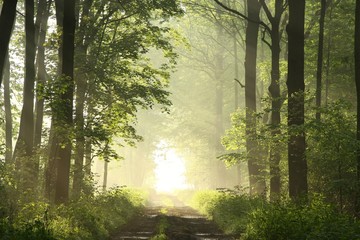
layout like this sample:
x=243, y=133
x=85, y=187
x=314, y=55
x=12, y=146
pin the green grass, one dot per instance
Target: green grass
x=257, y=219
x=89, y=218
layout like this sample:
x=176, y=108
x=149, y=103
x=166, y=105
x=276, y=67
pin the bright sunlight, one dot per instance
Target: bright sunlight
x=169, y=170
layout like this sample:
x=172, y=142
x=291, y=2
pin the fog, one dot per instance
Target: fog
x=180, y=148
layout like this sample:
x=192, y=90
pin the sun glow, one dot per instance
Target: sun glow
x=170, y=169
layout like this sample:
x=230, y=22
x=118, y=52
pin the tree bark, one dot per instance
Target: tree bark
x=8, y=113
x=50, y=168
x=257, y=183
x=63, y=116
x=298, y=186
x=106, y=167
x=41, y=25
x=357, y=81
x=274, y=91
x=236, y=98
x=25, y=143
x=81, y=86
x=320, y=59
x=7, y=20
x=219, y=103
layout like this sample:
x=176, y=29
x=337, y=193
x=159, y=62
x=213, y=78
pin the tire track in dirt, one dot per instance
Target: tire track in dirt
x=180, y=223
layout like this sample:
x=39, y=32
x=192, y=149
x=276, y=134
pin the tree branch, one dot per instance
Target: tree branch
x=266, y=27
x=241, y=85
x=267, y=11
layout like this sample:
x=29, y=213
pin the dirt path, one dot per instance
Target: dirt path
x=180, y=223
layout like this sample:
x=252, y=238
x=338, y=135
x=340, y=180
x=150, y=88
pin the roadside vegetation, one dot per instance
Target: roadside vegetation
x=89, y=218
x=257, y=219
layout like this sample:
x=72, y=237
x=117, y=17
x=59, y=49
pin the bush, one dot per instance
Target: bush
x=315, y=221
x=228, y=209
x=257, y=219
x=89, y=218
x=34, y=229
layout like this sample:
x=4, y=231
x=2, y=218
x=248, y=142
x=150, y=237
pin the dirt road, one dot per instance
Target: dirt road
x=178, y=223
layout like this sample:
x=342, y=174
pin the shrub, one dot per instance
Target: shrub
x=89, y=218
x=316, y=221
x=228, y=209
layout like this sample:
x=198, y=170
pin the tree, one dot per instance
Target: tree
x=41, y=24
x=24, y=146
x=320, y=58
x=274, y=90
x=8, y=113
x=62, y=114
x=7, y=19
x=82, y=43
x=295, y=83
x=257, y=183
x=357, y=81
x=255, y=166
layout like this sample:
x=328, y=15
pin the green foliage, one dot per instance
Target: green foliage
x=89, y=218
x=31, y=222
x=331, y=154
x=228, y=209
x=161, y=229
x=257, y=219
x=317, y=220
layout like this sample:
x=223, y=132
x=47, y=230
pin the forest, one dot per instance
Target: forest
x=119, y=115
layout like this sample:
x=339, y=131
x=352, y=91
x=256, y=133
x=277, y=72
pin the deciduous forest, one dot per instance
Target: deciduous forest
x=179, y=119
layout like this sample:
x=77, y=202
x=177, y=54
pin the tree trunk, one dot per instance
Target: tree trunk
x=236, y=68
x=357, y=81
x=257, y=183
x=7, y=19
x=87, y=168
x=50, y=168
x=320, y=59
x=8, y=114
x=24, y=145
x=236, y=98
x=81, y=86
x=219, y=103
x=274, y=90
x=43, y=15
x=296, y=145
x=106, y=166
x=328, y=51
x=63, y=114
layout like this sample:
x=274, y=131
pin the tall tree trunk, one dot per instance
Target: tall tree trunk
x=50, y=168
x=219, y=103
x=274, y=90
x=8, y=114
x=296, y=145
x=320, y=59
x=328, y=52
x=24, y=145
x=88, y=144
x=236, y=69
x=63, y=120
x=81, y=86
x=255, y=167
x=87, y=168
x=236, y=98
x=41, y=23
x=357, y=81
x=7, y=20
x=106, y=167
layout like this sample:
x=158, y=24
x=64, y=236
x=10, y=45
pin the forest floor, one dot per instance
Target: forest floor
x=177, y=223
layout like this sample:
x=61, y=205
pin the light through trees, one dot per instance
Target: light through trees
x=170, y=170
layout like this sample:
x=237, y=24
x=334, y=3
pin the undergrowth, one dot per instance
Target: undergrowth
x=257, y=219
x=89, y=218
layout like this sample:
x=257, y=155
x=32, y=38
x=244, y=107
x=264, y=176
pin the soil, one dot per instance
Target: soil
x=179, y=223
